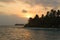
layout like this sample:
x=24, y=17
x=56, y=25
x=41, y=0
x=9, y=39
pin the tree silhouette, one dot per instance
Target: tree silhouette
x=50, y=20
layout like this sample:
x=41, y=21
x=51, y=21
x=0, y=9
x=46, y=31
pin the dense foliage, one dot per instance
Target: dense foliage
x=51, y=20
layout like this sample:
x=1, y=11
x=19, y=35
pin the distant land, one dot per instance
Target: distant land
x=50, y=20
x=19, y=24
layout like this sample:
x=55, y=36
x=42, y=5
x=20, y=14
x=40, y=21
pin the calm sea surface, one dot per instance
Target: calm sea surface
x=17, y=33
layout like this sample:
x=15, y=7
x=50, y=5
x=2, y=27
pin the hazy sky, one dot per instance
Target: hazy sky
x=18, y=11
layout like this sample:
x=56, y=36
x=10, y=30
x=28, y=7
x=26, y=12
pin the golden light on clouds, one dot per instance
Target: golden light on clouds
x=18, y=6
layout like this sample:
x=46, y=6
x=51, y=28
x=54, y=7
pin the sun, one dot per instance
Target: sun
x=28, y=15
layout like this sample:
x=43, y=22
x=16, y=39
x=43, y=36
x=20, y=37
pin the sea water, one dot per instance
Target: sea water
x=18, y=33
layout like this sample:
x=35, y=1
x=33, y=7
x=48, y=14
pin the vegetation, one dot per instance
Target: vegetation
x=51, y=20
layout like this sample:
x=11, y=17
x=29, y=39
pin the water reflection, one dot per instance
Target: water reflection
x=28, y=34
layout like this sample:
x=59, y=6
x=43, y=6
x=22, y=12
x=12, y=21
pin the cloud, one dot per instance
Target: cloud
x=6, y=0
x=24, y=11
x=45, y=3
x=1, y=6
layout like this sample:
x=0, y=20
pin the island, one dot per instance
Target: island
x=19, y=24
x=50, y=20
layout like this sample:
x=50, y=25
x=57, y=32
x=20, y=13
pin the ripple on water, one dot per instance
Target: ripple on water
x=28, y=34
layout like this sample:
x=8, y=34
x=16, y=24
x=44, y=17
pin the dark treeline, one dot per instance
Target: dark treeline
x=50, y=20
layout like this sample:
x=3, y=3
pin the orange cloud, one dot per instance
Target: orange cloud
x=17, y=8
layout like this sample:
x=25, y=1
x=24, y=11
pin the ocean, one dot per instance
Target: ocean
x=19, y=33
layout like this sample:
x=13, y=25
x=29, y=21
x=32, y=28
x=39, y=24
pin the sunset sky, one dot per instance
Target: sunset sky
x=18, y=11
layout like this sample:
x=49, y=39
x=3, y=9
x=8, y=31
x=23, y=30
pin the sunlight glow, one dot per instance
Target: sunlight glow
x=28, y=15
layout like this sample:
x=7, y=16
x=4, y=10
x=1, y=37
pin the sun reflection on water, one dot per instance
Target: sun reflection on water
x=27, y=34
x=21, y=34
